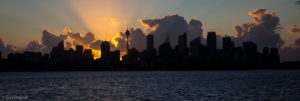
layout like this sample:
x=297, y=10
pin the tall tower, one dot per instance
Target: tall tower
x=182, y=40
x=105, y=49
x=79, y=49
x=228, y=45
x=60, y=45
x=127, y=34
x=211, y=41
x=150, y=42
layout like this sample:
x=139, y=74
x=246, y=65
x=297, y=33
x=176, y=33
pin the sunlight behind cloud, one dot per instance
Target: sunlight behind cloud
x=104, y=18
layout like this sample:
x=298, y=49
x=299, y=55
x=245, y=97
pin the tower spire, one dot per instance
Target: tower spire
x=127, y=34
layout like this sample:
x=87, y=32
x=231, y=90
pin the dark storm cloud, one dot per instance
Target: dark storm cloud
x=263, y=31
x=170, y=27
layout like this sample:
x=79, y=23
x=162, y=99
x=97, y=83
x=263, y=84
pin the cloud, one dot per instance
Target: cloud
x=294, y=29
x=5, y=48
x=170, y=27
x=79, y=39
x=137, y=39
x=96, y=44
x=35, y=46
x=263, y=31
x=68, y=45
x=297, y=2
x=50, y=40
x=292, y=52
x=194, y=28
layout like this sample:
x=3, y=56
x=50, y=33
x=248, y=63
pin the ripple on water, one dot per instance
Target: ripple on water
x=154, y=86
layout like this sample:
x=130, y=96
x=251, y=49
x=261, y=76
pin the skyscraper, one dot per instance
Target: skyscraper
x=60, y=46
x=88, y=54
x=182, y=40
x=250, y=55
x=211, y=42
x=228, y=45
x=266, y=55
x=150, y=42
x=165, y=50
x=274, y=56
x=181, y=48
x=127, y=34
x=79, y=50
x=195, y=46
x=105, y=49
x=250, y=48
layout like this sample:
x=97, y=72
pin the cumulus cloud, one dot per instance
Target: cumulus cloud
x=68, y=45
x=263, y=31
x=297, y=2
x=50, y=40
x=96, y=44
x=79, y=39
x=170, y=27
x=294, y=29
x=137, y=39
x=35, y=46
x=290, y=53
x=5, y=48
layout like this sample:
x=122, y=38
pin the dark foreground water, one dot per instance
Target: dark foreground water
x=261, y=85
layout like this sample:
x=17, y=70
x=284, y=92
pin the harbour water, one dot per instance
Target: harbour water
x=254, y=85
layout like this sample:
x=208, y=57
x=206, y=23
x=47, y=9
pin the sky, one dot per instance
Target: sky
x=24, y=20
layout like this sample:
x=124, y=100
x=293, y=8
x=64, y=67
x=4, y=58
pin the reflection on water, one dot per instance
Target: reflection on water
x=153, y=85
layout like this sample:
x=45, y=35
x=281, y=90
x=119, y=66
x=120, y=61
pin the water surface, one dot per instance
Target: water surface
x=257, y=85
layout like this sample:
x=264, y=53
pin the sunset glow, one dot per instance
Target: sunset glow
x=105, y=19
x=96, y=54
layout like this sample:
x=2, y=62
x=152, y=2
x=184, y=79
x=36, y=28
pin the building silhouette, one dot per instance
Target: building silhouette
x=212, y=46
x=266, y=56
x=133, y=57
x=197, y=56
x=195, y=47
x=228, y=49
x=250, y=55
x=150, y=42
x=149, y=55
x=109, y=57
x=211, y=42
x=166, y=53
x=274, y=56
x=181, y=50
x=127, y=33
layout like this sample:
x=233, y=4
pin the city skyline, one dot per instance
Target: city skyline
x=24, y=20
x=196, y=56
